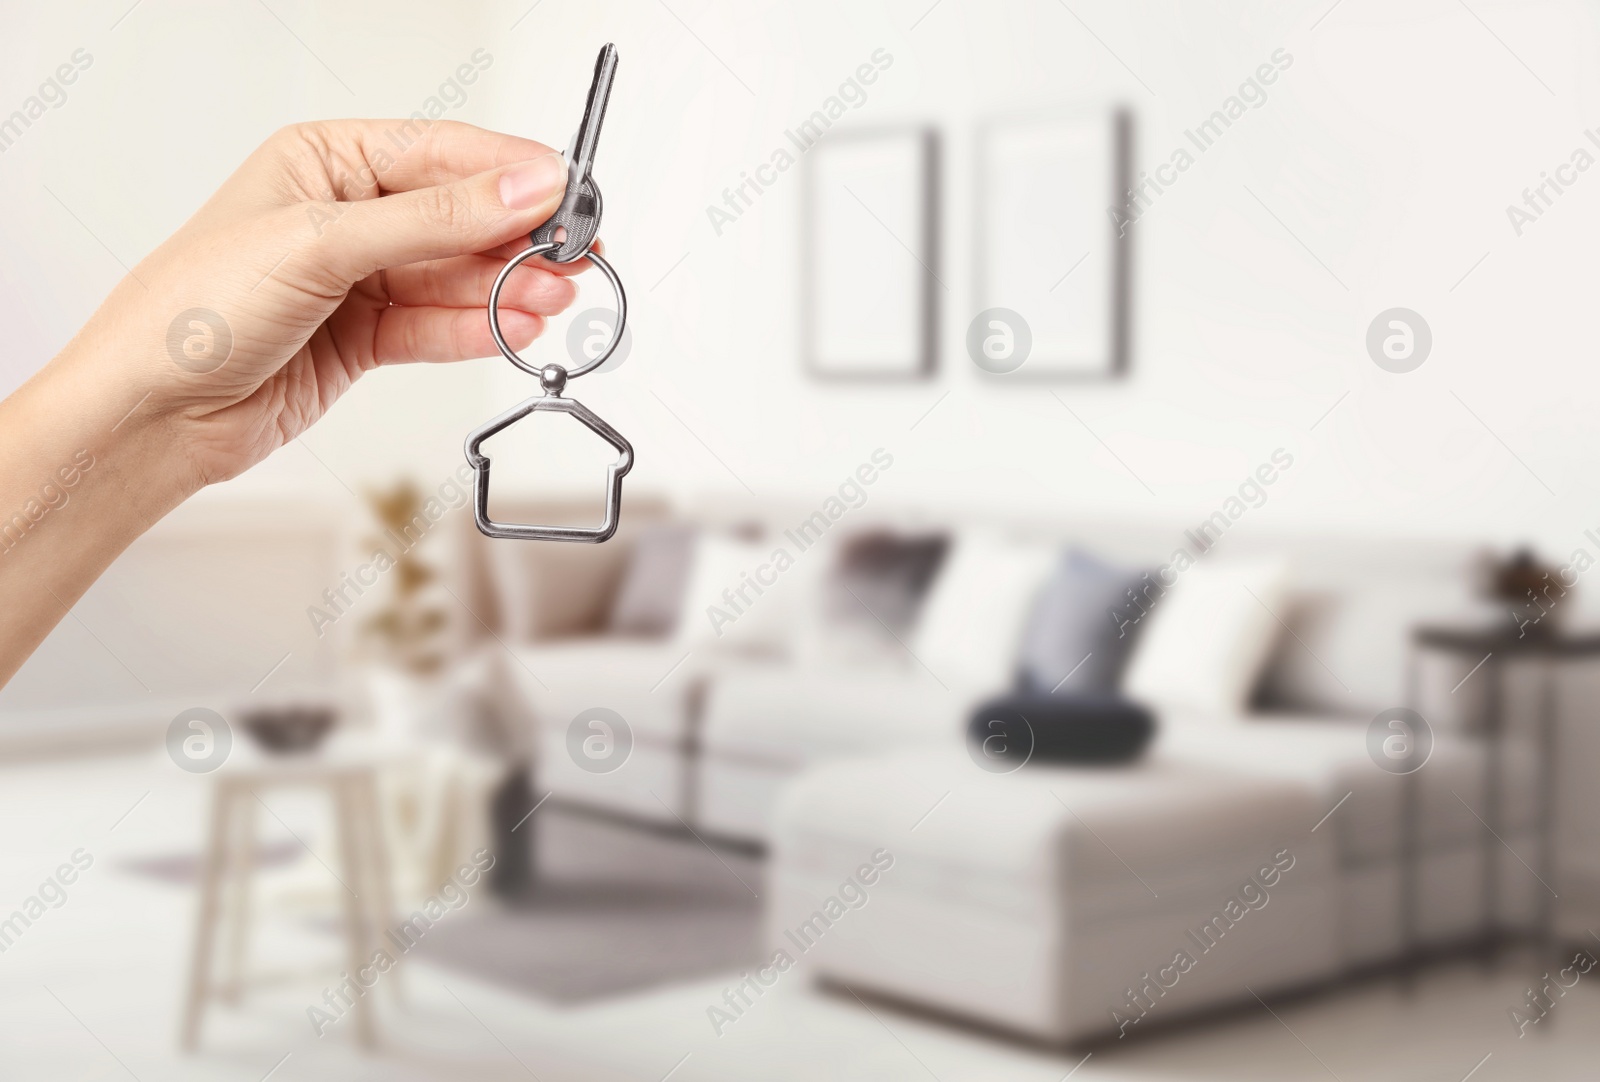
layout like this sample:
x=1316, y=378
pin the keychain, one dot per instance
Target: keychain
x=579, y=215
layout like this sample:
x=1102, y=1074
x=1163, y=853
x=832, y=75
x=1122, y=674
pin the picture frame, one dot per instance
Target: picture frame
x=870, y=278
x=1051, y=192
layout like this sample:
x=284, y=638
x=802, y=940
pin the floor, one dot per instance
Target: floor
x=91, y=990
x=615, y=909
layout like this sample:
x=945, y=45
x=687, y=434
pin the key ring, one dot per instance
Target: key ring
x=511, y=354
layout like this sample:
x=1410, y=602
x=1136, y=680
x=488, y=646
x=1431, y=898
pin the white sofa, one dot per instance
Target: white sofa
x=1042, y=901
x=1350, y=612
x=717, y=734
x=1034, y=900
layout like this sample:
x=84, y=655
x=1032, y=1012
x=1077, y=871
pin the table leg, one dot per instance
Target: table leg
x=1494, y=718
x=1548, y=765
x=358, y=939
x=382, y=895
x=241, y=867
x=222, y=796
x=1410, y=949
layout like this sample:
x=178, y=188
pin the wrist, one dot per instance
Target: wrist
x=116, y=421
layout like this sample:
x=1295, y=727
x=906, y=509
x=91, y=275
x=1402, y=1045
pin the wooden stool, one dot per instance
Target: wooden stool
x=348, y=774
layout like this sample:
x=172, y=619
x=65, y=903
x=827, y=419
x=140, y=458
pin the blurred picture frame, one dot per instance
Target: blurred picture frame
x=1051, y=191
x=870, y=283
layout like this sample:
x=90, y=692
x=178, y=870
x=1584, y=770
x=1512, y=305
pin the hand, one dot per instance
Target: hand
x=326, y=254
x=335, y=248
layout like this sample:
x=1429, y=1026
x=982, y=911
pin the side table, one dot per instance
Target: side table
x=1488, y=650
x=347, y=772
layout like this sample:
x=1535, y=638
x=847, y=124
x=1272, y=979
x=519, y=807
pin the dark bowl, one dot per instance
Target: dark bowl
x=283, y=730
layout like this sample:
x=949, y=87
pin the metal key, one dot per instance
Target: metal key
x=579, y=213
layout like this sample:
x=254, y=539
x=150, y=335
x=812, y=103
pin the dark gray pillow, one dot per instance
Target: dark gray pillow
x=1081, y=629
x=889, y=573
x=873, y=592
x=652, y=587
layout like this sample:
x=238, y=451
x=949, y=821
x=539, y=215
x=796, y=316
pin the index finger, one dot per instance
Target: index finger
x=442, y=151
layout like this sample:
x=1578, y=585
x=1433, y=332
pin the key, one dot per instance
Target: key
x=579, y=213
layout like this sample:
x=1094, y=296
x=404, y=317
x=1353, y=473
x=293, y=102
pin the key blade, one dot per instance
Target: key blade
x=579, y=212
x=581, y=156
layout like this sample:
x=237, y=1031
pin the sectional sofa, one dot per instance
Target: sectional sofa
x=1047, y=900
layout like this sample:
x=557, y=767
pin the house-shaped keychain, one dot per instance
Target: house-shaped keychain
x=553, y=379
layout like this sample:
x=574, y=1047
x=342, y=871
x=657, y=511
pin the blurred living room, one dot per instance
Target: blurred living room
x=1082, y=604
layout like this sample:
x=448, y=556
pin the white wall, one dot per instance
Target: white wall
x=1390, y=149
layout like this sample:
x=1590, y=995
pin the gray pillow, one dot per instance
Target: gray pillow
x=1081, y=629
x=652, y=587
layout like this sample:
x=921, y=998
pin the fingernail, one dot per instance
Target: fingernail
x=532, y=183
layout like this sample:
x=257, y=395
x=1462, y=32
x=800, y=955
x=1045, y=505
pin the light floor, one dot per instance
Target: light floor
x=92, y=991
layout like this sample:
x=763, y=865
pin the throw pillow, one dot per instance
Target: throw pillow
x=741, y=598
x=869, y=597
x=1012, y=731
x=971, y=623
x=1208, y=637
x=1080, y=634
x=651, y=595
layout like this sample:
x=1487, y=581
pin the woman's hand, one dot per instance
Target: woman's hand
x=334, y=248
x=330, y=251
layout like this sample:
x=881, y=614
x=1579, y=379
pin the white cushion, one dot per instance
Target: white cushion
x=780, y=714
x=1330, y=757
x=744, y=596
x=1181, y=825
x=1206, y=639
x=971, y=623
x=645, y=682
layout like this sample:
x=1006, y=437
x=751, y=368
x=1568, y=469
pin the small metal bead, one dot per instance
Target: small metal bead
x=553, y=378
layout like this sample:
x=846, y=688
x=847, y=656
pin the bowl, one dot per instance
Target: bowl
x=286, y=730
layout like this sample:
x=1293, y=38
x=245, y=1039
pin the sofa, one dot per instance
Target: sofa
x=718, y=730
x=1046, y=900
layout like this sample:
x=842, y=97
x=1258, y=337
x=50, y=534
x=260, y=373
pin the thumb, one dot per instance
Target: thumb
x=468, y=215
